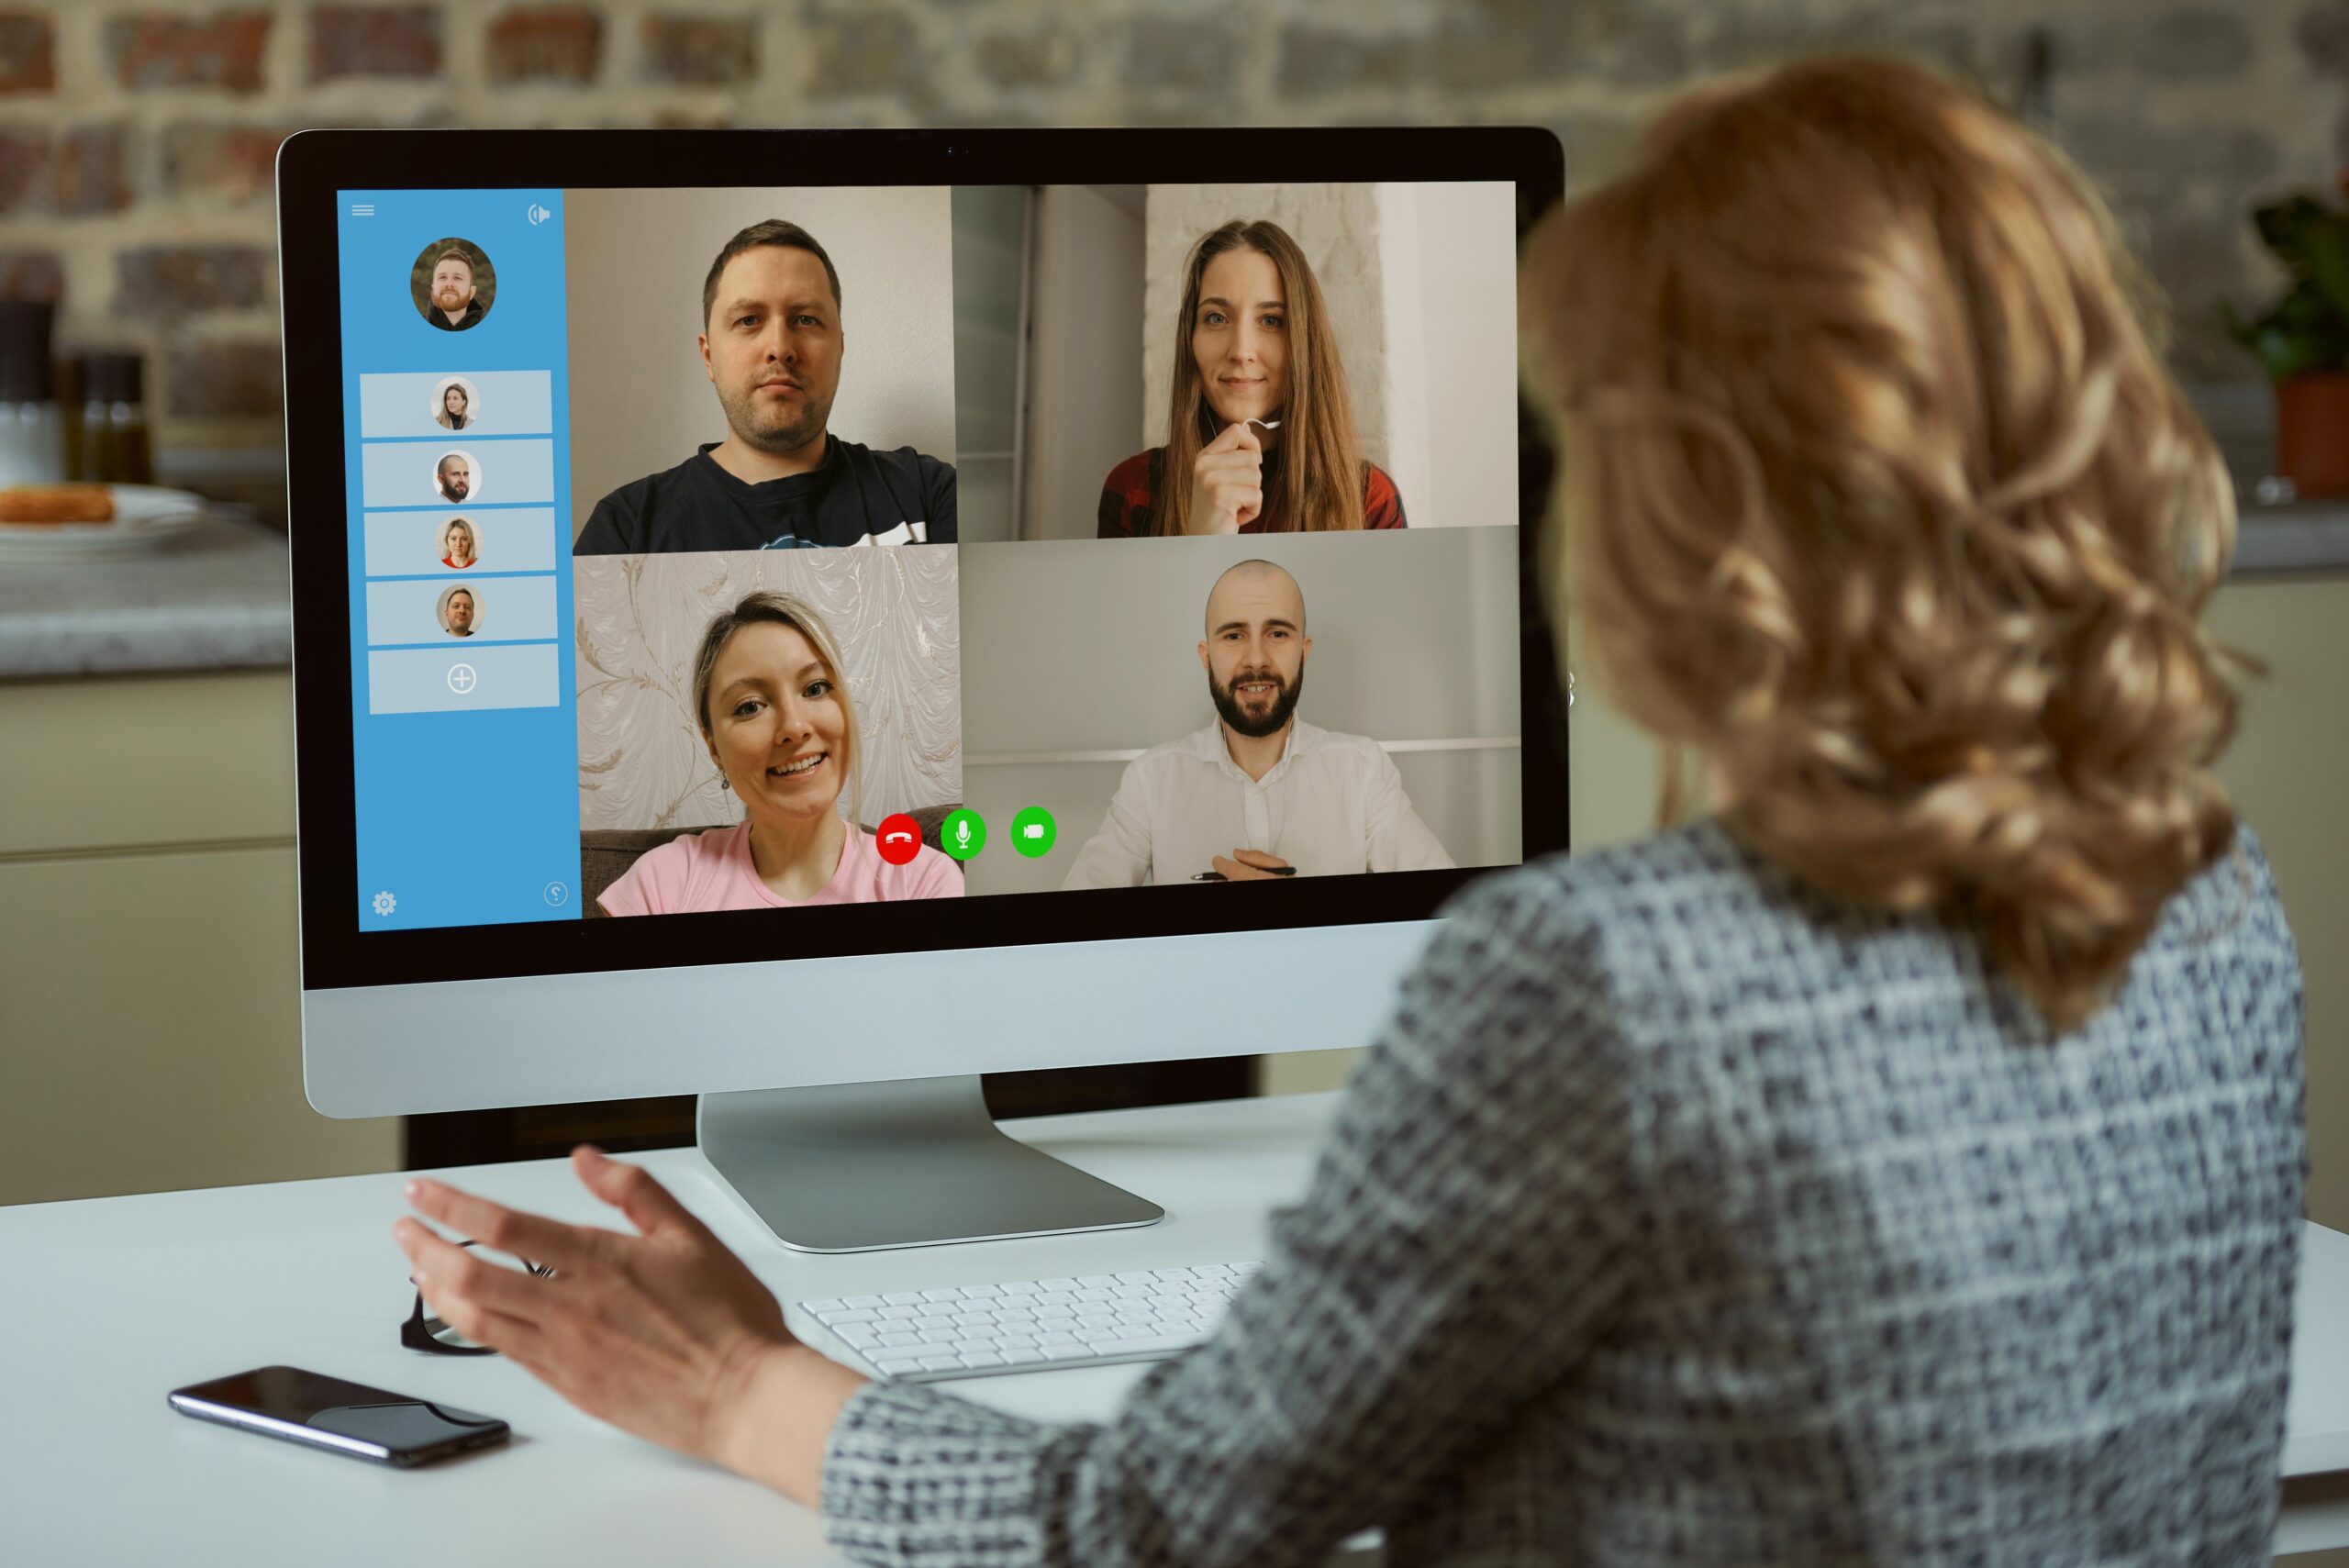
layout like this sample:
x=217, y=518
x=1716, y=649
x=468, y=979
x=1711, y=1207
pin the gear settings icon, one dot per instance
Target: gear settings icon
x=385, y=904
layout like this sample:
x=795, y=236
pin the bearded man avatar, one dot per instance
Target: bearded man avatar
x=454, y=302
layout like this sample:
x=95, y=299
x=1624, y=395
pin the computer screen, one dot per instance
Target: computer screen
x=808, y=564
x=728, y=571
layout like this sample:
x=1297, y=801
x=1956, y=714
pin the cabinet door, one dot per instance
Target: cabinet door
x=150, y=1033
x=108, y=762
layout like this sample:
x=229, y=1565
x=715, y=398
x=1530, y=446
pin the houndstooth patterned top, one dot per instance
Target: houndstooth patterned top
x=1682, y=1216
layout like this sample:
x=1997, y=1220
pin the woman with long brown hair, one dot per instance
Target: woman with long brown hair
x=1260, y=428
x=1902, y=1165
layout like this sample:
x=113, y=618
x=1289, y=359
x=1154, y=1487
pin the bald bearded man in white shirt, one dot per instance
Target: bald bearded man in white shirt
x=1259, y=793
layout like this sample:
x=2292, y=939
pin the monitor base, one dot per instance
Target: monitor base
x=918, y=1162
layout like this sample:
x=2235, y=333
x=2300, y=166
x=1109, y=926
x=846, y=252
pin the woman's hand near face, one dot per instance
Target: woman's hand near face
x=1228, y=481
x=666, y=1334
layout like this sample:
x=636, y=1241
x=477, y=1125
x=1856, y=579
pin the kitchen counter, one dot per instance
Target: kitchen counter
x=2308, y=536
x=215, y=597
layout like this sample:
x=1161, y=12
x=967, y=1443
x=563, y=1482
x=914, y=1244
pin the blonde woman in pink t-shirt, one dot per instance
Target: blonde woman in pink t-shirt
x=779, y=723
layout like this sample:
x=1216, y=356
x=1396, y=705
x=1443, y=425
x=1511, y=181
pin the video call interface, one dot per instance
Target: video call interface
x=748, y=549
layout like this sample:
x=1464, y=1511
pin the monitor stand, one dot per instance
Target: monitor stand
x=857, y=1167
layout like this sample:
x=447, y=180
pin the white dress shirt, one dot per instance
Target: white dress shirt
x=1334, y=804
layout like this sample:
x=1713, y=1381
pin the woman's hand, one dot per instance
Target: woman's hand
x=1227, y=480
x=665, y=1334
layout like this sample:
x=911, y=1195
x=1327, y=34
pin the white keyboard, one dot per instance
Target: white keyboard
x=1034, y=1325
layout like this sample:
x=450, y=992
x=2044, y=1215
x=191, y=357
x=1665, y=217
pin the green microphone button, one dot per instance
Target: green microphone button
x=963, y=833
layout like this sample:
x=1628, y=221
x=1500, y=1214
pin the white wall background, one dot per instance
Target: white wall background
x=1420, y=284
x=640, y=401
x=1085, y=391
x=1465, y=319
x=992, y=259
x=1077, y=648
x=894, y=612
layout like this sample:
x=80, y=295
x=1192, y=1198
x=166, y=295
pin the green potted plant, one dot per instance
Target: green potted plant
x=2302, y=342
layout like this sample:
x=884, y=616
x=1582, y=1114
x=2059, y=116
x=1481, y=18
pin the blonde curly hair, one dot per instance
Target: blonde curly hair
x=1873, y=487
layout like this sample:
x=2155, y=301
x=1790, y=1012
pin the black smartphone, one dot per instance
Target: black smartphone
x=343, y=1418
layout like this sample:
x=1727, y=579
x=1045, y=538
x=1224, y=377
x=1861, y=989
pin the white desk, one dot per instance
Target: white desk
x=108, y=1305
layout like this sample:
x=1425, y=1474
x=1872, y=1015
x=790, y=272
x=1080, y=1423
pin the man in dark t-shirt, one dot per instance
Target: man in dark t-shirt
x=772, y=343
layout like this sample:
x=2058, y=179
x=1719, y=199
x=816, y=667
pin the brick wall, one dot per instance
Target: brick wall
x=137, y=136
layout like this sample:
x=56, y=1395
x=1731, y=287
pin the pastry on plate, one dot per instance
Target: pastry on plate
x=56, y=503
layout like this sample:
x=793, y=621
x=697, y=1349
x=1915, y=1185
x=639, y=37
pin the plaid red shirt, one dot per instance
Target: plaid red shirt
x=1132, y=486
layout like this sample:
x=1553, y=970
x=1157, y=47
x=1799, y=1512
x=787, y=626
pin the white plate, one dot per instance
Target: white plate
x=144, y=515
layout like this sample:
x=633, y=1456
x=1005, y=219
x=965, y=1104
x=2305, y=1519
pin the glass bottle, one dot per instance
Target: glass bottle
x=114, y=448
x=32, y=426
x=69, y=413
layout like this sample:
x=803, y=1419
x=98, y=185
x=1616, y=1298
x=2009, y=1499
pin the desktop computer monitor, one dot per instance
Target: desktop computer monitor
x=808, y=618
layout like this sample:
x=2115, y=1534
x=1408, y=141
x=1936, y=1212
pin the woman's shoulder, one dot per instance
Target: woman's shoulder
x=1128, y=494
x=683, y=873
x=1703, y=847
x=1382, y=503
x=710, y=843
x=1692, y=925
x=1136, y=479
x=1141, y=467
x=2233, y=908
x=699, y=853
x=1685, y=890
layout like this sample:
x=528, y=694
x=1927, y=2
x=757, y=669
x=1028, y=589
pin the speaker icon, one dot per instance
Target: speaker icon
x=538, y=215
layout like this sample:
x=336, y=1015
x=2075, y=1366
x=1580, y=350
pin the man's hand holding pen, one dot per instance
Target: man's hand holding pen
x=1246, y=865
